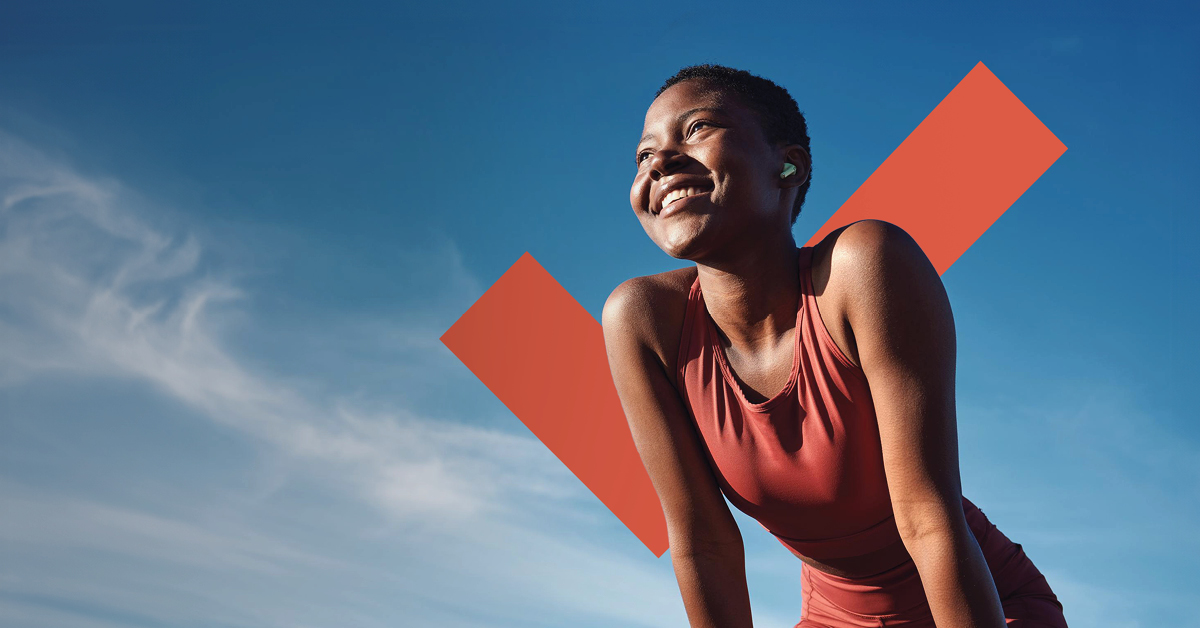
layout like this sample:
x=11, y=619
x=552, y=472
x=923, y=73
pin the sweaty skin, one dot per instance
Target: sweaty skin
x=882, y=302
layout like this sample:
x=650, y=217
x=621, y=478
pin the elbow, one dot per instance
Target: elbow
x=719, y=551
x=695, y=543
x=930, y=524
x=924, y=536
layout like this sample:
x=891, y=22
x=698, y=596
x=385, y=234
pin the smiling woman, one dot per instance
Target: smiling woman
x=696, y=117
x=813, y=387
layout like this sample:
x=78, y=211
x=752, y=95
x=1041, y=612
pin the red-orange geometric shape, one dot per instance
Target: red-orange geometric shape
x=543, y=355
x=958, y=171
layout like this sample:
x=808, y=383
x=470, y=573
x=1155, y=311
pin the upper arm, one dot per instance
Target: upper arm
x=697, y=517
x=900, y=315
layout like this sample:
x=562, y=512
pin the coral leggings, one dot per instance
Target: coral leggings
x=896, y=598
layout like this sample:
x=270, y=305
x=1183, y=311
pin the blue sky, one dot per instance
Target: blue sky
x=231, y=236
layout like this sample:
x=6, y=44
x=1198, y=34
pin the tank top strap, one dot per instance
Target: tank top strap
x=807, y=292
x=688, y=335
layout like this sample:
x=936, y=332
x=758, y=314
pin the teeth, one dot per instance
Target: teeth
x=680, y=193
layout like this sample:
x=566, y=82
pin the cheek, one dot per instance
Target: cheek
x=639, y=194
x=741, y=182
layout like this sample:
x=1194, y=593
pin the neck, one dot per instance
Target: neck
x=753, y=296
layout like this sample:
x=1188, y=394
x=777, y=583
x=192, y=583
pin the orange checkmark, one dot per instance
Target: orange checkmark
x=542, y=354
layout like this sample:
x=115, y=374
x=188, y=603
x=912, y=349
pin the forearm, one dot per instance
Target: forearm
x=714, y=588
x=956, y=579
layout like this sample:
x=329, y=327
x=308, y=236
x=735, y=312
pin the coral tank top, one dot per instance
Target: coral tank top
x=807, y=463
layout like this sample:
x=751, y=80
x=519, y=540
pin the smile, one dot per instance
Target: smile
x=681, y=193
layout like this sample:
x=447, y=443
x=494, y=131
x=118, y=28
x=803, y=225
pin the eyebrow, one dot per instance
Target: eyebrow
x=680, y=118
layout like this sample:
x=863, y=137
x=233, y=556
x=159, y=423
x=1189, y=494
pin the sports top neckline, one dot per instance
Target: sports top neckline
x=723, y=360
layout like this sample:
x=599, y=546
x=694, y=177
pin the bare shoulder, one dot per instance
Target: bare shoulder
x=867, y=242
x=863, y=262
x=858, y=255
x=651, y=308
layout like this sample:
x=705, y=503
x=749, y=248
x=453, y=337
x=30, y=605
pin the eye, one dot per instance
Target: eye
x=696, y=125
x=643, y=155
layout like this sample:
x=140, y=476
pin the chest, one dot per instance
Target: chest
x=805, y=462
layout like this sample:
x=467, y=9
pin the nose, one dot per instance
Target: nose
x=664, y=162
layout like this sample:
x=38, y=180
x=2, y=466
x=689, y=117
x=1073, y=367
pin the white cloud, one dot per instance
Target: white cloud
x=33, y=519
x=92, y=288
x=89, y=288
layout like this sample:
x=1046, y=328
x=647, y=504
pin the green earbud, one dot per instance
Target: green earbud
x=788, y=170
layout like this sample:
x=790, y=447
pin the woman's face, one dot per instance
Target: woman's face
x=706, y=174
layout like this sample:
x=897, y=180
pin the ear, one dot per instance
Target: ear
x=797, y=156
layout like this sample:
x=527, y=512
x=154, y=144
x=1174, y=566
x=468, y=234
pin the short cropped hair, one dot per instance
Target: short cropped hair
x=781, y=119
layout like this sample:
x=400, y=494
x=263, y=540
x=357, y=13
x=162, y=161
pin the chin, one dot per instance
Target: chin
x=684, y=247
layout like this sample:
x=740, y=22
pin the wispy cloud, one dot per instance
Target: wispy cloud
x=90, y=288
x=94, y=287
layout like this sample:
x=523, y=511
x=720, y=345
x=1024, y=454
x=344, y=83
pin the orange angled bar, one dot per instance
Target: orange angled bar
x=542, y=354
x=963, y=166
x=533, y=345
